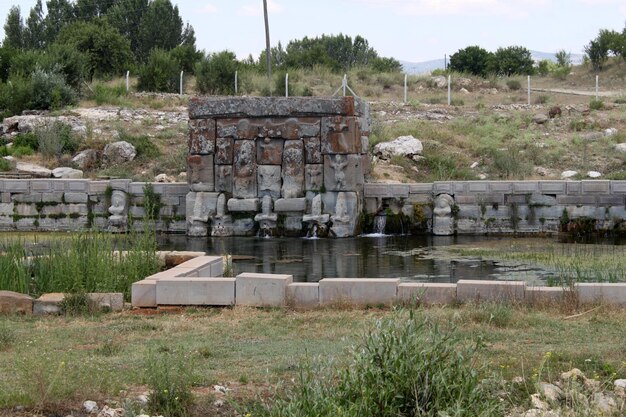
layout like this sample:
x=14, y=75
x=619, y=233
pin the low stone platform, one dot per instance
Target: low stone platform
x=199, y=282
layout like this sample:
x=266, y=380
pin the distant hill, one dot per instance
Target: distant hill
x=428, y=66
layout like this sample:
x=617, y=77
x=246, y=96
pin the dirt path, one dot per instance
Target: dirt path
x=580, y=92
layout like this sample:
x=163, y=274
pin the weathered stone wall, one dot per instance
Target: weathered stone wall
x=478, y=207
x=267, y=162
x=67, y=205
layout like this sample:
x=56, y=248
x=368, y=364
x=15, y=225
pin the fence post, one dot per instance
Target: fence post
x=597, y=86
x=529, y=90
x=236, y=86
x=405, y=88
x=344, y=83
x=449, y=90
x=127, y=82
x=181, y=83
x=287, y=85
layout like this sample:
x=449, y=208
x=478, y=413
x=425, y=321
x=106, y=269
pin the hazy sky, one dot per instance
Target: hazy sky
x=410, y=30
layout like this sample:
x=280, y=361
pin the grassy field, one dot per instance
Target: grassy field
x=51, y=365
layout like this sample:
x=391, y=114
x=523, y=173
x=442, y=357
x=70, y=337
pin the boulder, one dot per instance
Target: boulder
x=86, y=159
x=407, y=146
x=540, y=119
x=551, y=392
x=67, y=173
x=15, y=303
x=48, y=304
x=439, y=81
x=164, y=178
x=620, y=387
x=33, y=169
x=610, y=132
x=568, y=174
x=594, y=174
x=119, y=153
x=621, y=147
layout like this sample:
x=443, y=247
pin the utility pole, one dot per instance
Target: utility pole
x=267, y=46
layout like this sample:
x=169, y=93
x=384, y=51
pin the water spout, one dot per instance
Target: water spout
x=380, y=223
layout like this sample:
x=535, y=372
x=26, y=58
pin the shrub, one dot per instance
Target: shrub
x=105, y=94
x=26, y=139
x=596, y=104
x=5, y=165
x=50, y=91
x=76, y=304
x=14, y=274
x=143, y=145
x=7, y=338
x=160, y=73
x=19, y=151
x=15, y=96
x=215, y=74
x=168, y=376
x=513, y=85
x=56, y=139
x=405, y=367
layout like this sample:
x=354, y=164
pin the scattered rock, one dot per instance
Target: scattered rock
x=48, y=304
x=463, y=82
x=594, y=174
x=575, y=374
x=592, y=136
x=620, y=387
x=621, y=147
x=542, y=171
x=475, y=165
x=164, y=178
x=407, y=146
x=463, y=91
x=111, y=412
x=482, y=176
x=550, y=392
x=33, y=169
x=610, y=132
x=537, y=403
x=119, y=153
x=15, y=303
x=605, y=403
x=142, y=399
x=439, y=81
x=90, y=406
x=540, y=119
x=220, y=388
x=67, y=173
x=86, y=159
x=568, y=174
x=518, y=380
x=219, y=403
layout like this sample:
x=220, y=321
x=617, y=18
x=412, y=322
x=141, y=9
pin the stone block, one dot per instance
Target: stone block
x=143, y=293
x=285, y=205
x=293, y=225
x=244, y=227
x=525, y=187
x=501, y=186
x=358, y=291
x=224, y=179
x=48, y=304
x=420, y=198
x=544, y=295
x=76, y=198
x=272, y=127
x=52, y=197
x=5, y=197
x=595, y=187
x=576, y=199
x=303, y=295
x=97, y=187
x=460, y=187
x=244, y=169
x=27, y=198
x=26, y=210
x=614, y=200
x=313, y=150
x=201, y=136
x=261, y=290
x=420, y=188
x=16, y=186
x=464, y=199
x=313, y=177
x=493, y=291
x=345, y=209
x=343, y=172
x=243, y=204
x=477, y=187
x=175, y=258
x=41, y=186
x=426, y=293
x=611, y=293
x=111, y=301
x=15, y=303
x=573, y=187
x=293, y=169
x=201, y=107
x=618, y=187
x=365, y=143
x=200, y=206
x=200, y=172
x=224, y=151
x=195, y=291
x=269, y=180
x=202, y=267
x=269, y=151
x=6, y=209
x=552, y=187
x=443, y=188
x=340, y=135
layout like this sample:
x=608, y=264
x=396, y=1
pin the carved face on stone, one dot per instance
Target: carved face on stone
x=443, y=205
x=118, y=202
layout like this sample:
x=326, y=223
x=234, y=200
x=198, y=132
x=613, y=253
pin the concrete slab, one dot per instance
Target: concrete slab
x=203, y=266
x=601, y=292
x=303, y=295
x=195, y=291
x=426, y=293
x=111, y=301
x=496, y=291
x=15, y=303
x=48, y=304
x=544, y=295
x=358, y=291
x=143, y=293
x=262, y=290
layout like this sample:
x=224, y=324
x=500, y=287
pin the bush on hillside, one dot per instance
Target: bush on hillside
x=50, y=91
x=160, y=73
x=215, y=73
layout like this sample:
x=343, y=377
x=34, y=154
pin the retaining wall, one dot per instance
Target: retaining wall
x=478, y=207
x=69, y=205
x=200, y=282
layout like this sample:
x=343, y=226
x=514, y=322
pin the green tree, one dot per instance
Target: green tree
x=187, y=57
x=125, y=16
x=90, y=9
x=512, y=60
x=60, y=14
x=14, y=29
x=159, y=73
x=471, y=60
x=598, y=53
x=161, y=28
x=386, y=65
x=563, y=58
x=107, y=50
x=6, y=60
x=34, y=33
x=215, y=74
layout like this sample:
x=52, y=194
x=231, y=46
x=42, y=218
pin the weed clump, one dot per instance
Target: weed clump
x=169, y=378
x=405, y=367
